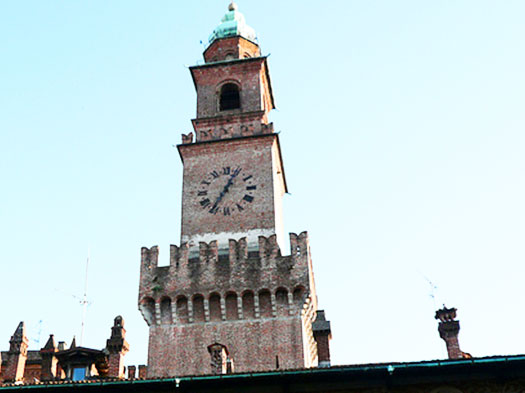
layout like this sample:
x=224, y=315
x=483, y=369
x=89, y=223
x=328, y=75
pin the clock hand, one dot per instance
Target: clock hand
x=224, y=190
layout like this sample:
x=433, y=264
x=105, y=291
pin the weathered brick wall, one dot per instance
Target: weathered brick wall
x=231, y=47
x=177, y=350
x=248, y=209
x=232, y=126
x=259, y=304
x=248, y=74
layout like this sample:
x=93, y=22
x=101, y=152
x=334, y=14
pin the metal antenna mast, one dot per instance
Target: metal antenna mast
x=84, y=302
x=433, y=288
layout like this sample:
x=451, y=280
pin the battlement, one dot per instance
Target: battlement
x=208, y=282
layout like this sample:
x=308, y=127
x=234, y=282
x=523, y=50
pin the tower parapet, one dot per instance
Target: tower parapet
x=203, y=269
x=243, y=290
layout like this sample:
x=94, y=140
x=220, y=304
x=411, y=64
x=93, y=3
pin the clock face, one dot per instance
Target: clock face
x=226, y=191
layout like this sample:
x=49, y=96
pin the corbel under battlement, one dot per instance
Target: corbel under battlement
x=235, y=265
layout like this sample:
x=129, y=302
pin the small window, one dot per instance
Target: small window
x=79, y=374
x=230, y=97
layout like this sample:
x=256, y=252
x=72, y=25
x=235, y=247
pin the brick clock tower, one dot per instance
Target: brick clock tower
x=229, y=301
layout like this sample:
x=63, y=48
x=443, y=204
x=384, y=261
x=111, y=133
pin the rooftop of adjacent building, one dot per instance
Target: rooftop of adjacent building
x=496, y=368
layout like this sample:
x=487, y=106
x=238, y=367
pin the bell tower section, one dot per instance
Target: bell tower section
x=229, y=300
x=233, y=174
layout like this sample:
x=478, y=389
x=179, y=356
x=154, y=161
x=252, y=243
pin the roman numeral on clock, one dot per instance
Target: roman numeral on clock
x=226, y=170
x=248, y=198
x=202, y=193
x=226, y=211
x=249, y=188
x=214, y=174
x=205, y=202
x=247, y=178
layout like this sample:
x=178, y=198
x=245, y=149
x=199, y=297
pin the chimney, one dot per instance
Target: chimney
x=17, y=355
x=132, y=371
x=117, y=347
x=322, y=335
x=143, y=371
x=219, y=359
x=448, y=331
x=48, y=371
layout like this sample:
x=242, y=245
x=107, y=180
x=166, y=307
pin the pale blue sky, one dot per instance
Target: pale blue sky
x=402, y=128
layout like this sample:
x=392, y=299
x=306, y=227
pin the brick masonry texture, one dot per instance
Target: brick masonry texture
x=228, y=282
x=258, y=158
x=232, y=47
x=260, y=306
x=256, y=100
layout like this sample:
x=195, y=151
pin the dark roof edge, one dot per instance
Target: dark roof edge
x=388, y=367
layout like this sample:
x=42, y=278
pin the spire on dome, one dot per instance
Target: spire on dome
x=233, y=24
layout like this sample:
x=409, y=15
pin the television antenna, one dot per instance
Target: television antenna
x=433, y=289
x=38, y=334
x=84, y=302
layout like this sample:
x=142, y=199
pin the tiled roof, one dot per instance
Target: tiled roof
x=389, y=368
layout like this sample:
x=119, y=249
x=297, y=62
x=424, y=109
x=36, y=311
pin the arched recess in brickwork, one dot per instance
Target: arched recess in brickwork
x=165, y=310
x=182, y=309
x=229, y=97
x=215, y=307
x=198, y=308
x=281, y=301
x=147, y=307
x=265, y=303
x=231, y=306
x=299, y=295
x=248, y=305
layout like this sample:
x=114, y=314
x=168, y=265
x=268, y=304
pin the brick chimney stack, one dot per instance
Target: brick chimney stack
x=143, y=371
x=117, y=347
x=49, y=360
x=322, y=336
x=132, y=372
x=448, y=331
x=17, y=356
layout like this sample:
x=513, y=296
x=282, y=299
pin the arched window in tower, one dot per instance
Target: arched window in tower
x=198, y=308
x=165, y=310
x=265, y=303
x=248, y=305
x=230, y=97
x=281, y=299
x=182, y=309
x=215, y=307
x=231, y=306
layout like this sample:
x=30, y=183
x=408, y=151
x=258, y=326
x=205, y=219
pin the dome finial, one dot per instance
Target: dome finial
x=232, y=6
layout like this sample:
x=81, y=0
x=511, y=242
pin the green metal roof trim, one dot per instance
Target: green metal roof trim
x=384, y=368
x=233, y=24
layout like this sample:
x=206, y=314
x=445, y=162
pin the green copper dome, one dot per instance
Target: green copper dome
x=233, y=24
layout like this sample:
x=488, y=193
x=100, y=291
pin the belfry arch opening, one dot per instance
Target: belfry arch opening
x=230, y=97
